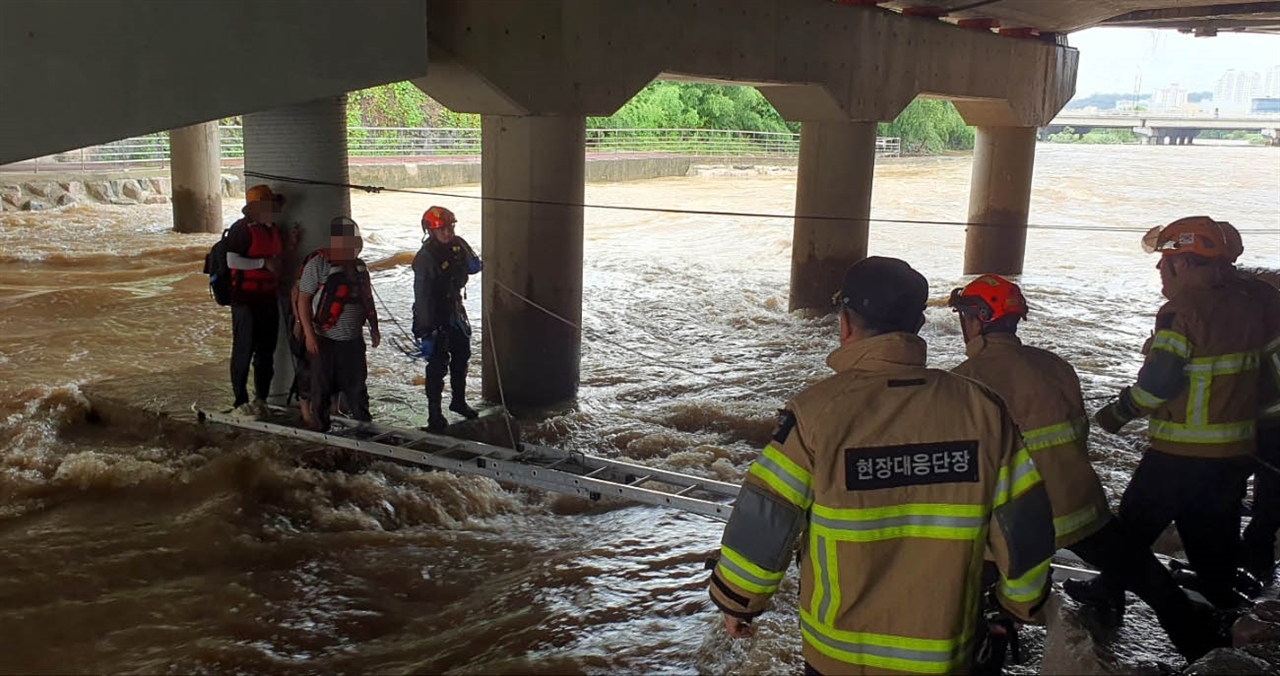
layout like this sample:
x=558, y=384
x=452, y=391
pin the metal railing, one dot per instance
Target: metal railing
x=1076, y=114
x=152, y=150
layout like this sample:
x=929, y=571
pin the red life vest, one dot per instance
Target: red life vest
x=264, y=242
x=348, y=282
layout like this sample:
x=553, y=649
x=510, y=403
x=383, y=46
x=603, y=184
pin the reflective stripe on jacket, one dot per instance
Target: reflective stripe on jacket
x=894, y=480
x=1042, y=392
x=1216, y=332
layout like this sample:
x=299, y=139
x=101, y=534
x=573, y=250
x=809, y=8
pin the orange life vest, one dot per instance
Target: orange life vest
x=264, y=242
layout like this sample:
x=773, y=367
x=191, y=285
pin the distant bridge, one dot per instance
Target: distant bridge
x=1163, y=128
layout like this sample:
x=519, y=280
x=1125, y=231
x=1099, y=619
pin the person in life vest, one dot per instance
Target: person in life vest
x=254, y=250
x=894, y=479
x=440, y=273
x=1198, y=387
x=335, y=300
x=1042, y=393
x=1259, y=537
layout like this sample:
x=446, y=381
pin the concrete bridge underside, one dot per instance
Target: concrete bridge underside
x=534, y=71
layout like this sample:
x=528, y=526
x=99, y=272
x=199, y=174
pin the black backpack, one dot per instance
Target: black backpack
x=215, y=265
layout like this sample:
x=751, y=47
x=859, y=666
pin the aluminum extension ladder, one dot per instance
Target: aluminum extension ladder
x=533, y=466
x=541, y=467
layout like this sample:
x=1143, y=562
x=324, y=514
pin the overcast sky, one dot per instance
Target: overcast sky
x=1111, y=59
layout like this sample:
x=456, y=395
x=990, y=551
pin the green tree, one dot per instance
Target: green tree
x=929, y=126
x=925, y=126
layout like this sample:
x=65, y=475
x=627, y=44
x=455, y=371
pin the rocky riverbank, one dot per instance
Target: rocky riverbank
x=41, y=193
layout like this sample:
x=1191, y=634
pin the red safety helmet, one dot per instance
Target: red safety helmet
x=989, y=298
x=1199, y=235
x=437, y=217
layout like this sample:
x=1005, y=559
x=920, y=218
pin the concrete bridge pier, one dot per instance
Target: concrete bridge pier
x=304, y=141
x=999, y=200
x=534, y=250
x=533, y=71
x=837, y=162
x=196, y=172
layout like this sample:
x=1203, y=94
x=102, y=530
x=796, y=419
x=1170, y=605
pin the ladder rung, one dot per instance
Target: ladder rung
x=412, y=444
x=559, y=462
x=596, y=471
x=641, y=480
x=686, y=489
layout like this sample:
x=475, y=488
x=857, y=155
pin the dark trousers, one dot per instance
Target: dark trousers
x=1127, y=564
x=1260, y=534
x=1202, y=497
x=452, y=352
x=340, y=366
x=254, y=329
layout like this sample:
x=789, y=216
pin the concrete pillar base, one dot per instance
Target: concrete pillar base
x=196, y=173
x=999, y=199
x=304, y=141
x=534, y=250
x=837, y=161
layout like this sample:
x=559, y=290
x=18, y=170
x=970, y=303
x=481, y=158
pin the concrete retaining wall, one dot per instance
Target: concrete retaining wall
x=35, y=192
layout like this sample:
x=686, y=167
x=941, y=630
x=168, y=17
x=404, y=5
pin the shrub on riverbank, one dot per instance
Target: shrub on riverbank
x=1095, y=137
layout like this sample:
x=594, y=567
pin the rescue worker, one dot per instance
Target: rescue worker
x=335, y=299
x=254, y=249
x=440, y=324
x=1198, y=388
x=1259, y=538
x=1042, y=393
x=895, y=479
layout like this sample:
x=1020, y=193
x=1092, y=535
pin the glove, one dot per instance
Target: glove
x=474, y=265
x=1115, y=415
x=427, y=346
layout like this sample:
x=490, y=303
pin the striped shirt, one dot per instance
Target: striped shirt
x=350, y=321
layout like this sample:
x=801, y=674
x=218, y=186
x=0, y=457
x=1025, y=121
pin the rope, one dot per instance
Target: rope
x=487, y=330
x=703, y=212
x=656, y=360
x=405, y=336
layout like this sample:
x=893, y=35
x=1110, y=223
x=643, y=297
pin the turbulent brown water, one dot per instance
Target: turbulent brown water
x=128, y=548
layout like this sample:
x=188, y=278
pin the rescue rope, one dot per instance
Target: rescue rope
x=405, y=341
x=486, y=329
x=596, y=336
x=702, y=212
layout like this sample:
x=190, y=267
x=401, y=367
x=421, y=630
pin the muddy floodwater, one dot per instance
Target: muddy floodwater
x=137, y=548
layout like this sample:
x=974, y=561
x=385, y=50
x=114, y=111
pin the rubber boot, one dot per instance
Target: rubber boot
x=436, y=422
x=1198, y=631
x=1099, y=596
x=459, y=403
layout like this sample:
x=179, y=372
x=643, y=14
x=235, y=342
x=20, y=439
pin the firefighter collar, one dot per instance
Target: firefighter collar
x=885, y=352
x=991, y=340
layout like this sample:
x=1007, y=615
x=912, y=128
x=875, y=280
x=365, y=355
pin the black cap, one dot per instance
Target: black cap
x=886, y=292
x=343, y=226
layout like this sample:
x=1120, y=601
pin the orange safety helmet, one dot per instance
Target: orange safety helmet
x=1235, y=245
x=437, y=217
x=989, y=298
x=1198, y=235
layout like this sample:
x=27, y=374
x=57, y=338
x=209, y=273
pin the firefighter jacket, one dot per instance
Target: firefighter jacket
x=1268, y=297
x=894, y=479
x=1199, y=383
x=440, y=271
x=1042, y=393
